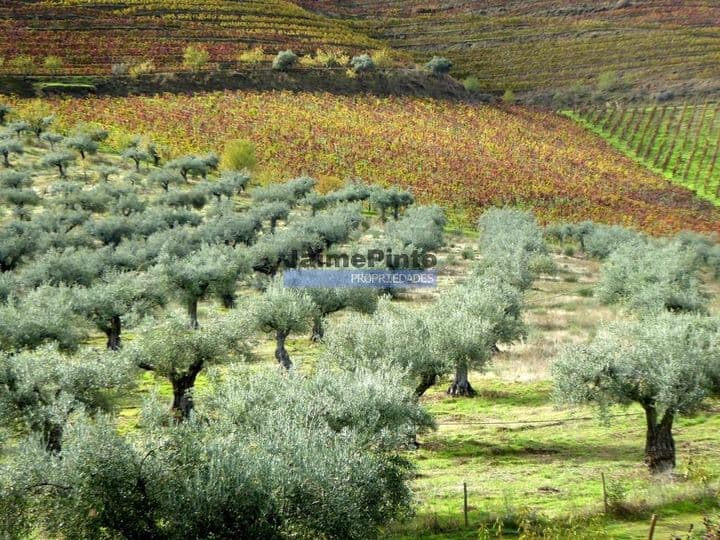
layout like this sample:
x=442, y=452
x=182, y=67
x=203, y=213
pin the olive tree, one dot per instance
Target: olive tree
x=165, y=177
x=469, y=322
x=191, y=165
x=282, y=311
x=15, y=180
x=439, y=65
x=602, y=240
x=231, y=228
x=330, y=300
x=39, y=124
x=665, y=363
x=59, y=160
x=39, y=316
x=5, y=111
x=394, y=338
x=69, y=266
x=513, y=247
x=39, y=390
x=392, y=198
x=650, y=276
x=170, y=349
x=52, y=139
x=420, y=227
x=83, y=144
x=271, y=212
x=115, y=298
x=9, y=146
x=20, y=199
x=257, y=463
x=18, y=242
x=137, y=155
x=211, y=269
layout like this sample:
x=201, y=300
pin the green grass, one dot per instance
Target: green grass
x=677, y=142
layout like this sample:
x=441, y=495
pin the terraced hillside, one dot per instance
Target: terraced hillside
x=463, y=156
x=88, y=37
x=678, y=141
x=549, y=44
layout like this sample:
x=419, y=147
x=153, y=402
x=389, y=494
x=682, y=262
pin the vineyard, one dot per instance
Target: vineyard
x=525, y=46
x=541, y=45
x=680, y=142
x=89, y=37
x=462, y=156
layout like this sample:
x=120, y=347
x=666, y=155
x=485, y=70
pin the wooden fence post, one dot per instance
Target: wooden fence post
x=465, y=503
x=605, y=500
x=653, y=521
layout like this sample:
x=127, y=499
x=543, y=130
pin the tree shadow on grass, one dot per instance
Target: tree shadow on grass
x=534, y=450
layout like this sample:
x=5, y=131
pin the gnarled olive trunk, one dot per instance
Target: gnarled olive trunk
x=228, y=300
x=318, y=329
x=52, y=435
x=461, y=385
x=281, y=354
x=113, y=334
x=426, y=381
x=192, y=313
x=659, y=442
x=6, y=160
x=182, y=403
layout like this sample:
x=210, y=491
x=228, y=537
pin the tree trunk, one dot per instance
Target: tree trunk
x=53, y=433
x=82, y=154
x=182, y=403
x=318, y=329
x=192, y=313
x=6, y=160
x=281, y=353
x=62, y=171
x=426, y=381
x=461, y=385
x=228, y=301
x=137, y=165
x=396, y=212
x=659, y=442
x=113, y=334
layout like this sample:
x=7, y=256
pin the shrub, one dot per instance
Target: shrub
x=53, y=64
x=284, y=60
x=649, y=276
x=120, y=69
x=383, y=58
x=253, y=57
x=508, y=97
x=147, y=66
x=608, y=81
x=23, y=64
x=239, y=155
x=332, y=58
x=439, y=65
x=362, y=63
x=604, y=239
x=195, y=58
x=472, y=84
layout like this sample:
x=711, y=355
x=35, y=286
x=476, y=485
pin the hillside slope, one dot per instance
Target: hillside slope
x=460, y=155
x=89, y=36
x=550, y=44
